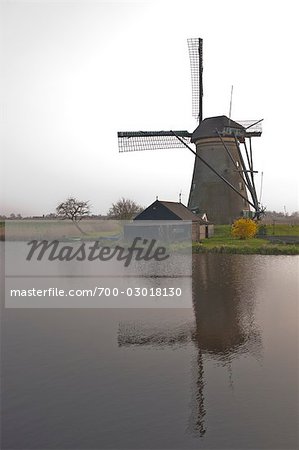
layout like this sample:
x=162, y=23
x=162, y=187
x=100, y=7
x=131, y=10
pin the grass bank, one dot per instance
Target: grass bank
x=223, y=242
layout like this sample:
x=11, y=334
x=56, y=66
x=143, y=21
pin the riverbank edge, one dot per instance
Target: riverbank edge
x=265, y=249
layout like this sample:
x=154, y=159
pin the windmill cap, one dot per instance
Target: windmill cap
x=210, y=127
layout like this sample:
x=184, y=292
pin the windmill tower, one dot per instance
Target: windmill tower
x=208, y=193
x=223, y=177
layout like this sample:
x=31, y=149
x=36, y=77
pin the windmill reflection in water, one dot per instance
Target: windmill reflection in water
x=223, y=326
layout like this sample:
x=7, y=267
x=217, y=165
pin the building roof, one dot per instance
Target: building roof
x=180, y=211
x=209, y=127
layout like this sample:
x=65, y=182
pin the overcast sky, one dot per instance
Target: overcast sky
x=73, y=73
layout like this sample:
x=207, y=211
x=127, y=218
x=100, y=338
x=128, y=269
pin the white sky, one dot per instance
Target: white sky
x=73, y=73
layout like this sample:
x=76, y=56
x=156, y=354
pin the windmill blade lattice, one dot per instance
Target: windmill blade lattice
x=132, y=141
x=195, y=55
x=253, y=127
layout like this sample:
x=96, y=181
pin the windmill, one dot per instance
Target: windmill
x=223, y=176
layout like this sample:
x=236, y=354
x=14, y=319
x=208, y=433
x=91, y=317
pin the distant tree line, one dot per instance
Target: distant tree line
x=124, y=209
x=294, y=215
x=281, y=217
x=76, y=210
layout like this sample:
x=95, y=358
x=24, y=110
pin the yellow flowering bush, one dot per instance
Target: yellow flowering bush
x=244, y=228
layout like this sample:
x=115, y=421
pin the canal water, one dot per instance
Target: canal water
x=222, y=374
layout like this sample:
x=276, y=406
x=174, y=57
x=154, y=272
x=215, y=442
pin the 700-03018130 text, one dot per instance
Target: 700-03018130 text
x=99, y=291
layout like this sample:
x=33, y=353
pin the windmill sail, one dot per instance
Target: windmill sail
x=132, y=141
x=252, y=127
x=195, y=55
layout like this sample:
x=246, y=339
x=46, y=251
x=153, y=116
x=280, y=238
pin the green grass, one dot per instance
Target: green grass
x=276, y=230
x=265, y=249
x=282, y=230
x=223, y=242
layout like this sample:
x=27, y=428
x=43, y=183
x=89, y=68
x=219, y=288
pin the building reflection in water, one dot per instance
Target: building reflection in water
x=222, y=326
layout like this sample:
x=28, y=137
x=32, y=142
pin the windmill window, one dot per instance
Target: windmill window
x=237, y=164
x=241, y=186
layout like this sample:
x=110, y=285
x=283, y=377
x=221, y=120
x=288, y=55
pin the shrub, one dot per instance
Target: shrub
x=244, y=228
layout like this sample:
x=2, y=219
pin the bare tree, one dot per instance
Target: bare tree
x=124, y=209
x=74, y=210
